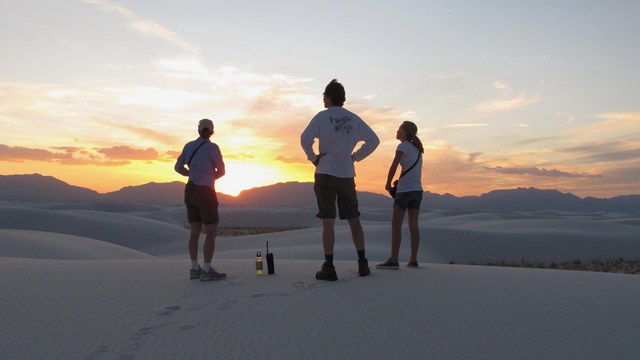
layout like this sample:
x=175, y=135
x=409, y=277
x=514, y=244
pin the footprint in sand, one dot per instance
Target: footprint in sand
x=169, y=310
x=298, y=284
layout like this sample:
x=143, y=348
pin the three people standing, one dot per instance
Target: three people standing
x=338, y=131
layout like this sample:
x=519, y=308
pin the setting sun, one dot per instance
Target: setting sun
x=243, y=176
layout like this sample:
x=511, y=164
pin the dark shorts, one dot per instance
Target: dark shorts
x=202, y=204
x=328, y=189
x=408, y=200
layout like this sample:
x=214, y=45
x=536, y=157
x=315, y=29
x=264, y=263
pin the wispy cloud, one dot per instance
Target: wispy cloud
x=113, y=156
x=143, y=132
x=145, y=26
x=617, y=151
x=539, y=172
x=458, y=126
x=128, y=153
x=499, y=85
x=494, y=106
x=184, y=68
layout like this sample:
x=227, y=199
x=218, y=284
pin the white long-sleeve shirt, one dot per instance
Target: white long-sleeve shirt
x=338, y=130
x=206, y=165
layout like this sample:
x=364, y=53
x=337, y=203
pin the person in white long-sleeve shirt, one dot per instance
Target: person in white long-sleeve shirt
x=205, y=165
x=338, y=131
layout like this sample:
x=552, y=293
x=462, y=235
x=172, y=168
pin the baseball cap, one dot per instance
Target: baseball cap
x=205, y=123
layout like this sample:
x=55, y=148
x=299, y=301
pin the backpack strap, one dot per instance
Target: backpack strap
x=412, y=166
x=195, y=151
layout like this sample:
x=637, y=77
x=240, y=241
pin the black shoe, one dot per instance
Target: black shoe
x=195, y=274
x=413, y=264
x=388, y=265
x=328, y=272
x=363, y=267
x=212, y=275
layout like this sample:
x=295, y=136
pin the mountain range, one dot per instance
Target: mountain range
x=35, y=187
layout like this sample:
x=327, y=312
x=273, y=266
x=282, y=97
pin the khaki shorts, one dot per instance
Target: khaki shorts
x=202, y=204
x=330, y=189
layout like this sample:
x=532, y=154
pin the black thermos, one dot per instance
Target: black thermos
x=270, y=266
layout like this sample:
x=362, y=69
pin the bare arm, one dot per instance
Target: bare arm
x=393, y=168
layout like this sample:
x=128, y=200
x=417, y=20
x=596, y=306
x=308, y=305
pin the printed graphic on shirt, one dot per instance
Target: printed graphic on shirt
x=344, y=123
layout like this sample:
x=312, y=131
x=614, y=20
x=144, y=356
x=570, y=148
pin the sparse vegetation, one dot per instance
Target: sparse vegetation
x=231, y=231
x=620, y=265
x=254, y=230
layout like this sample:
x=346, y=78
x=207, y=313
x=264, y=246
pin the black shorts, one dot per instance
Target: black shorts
x=202, y=204
x=408, y=200
x=328, y=189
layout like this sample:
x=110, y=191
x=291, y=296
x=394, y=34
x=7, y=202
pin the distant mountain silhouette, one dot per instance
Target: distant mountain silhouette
x=157, y=193
x=281, y=194
x=37, y=187
x=295, y=194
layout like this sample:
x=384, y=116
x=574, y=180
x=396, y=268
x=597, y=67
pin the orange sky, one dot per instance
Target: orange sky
x=105, y=94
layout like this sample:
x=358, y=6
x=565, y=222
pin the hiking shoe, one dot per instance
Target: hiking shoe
x=363, y=267
x=328, y=272
x=194, y=274
x=212, y=275
x=388, y=265
x=413, y=264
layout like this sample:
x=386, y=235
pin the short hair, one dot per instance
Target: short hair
x=335, y=92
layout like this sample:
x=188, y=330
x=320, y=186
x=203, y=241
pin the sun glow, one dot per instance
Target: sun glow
x=243, y=176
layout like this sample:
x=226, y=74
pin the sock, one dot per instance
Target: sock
x=361, y=254
x=194, y=264
x=207, y=266
x=329, y=259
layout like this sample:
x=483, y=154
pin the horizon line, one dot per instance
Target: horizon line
x=310, y=182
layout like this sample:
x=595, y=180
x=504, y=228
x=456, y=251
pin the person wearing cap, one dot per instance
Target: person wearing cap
x=338, y=130
x=201, y=160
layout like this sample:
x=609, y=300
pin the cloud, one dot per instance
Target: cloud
x=156, y=97
x=147, y=27
x=128, y=153
x=292, y=160
x=626, y=117
x=143, y=132
x=20, y=154
x=184, y=68
x=617, y=151
x=474, y=156
x=461, y=125
x=499, y=85
x=539, y=172
x=495, y=106
x=114, y=156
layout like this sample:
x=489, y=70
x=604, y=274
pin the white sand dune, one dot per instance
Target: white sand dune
x=112, y=283
x=45, y=245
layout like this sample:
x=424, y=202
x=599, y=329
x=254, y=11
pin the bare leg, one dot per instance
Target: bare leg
x=194, y=237
x=396, y=232
x=414, y=230
x=209, y=242
x=328, y=235
x=357, y=234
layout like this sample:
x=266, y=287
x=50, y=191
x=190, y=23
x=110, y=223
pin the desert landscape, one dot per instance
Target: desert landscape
x=109, y=280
